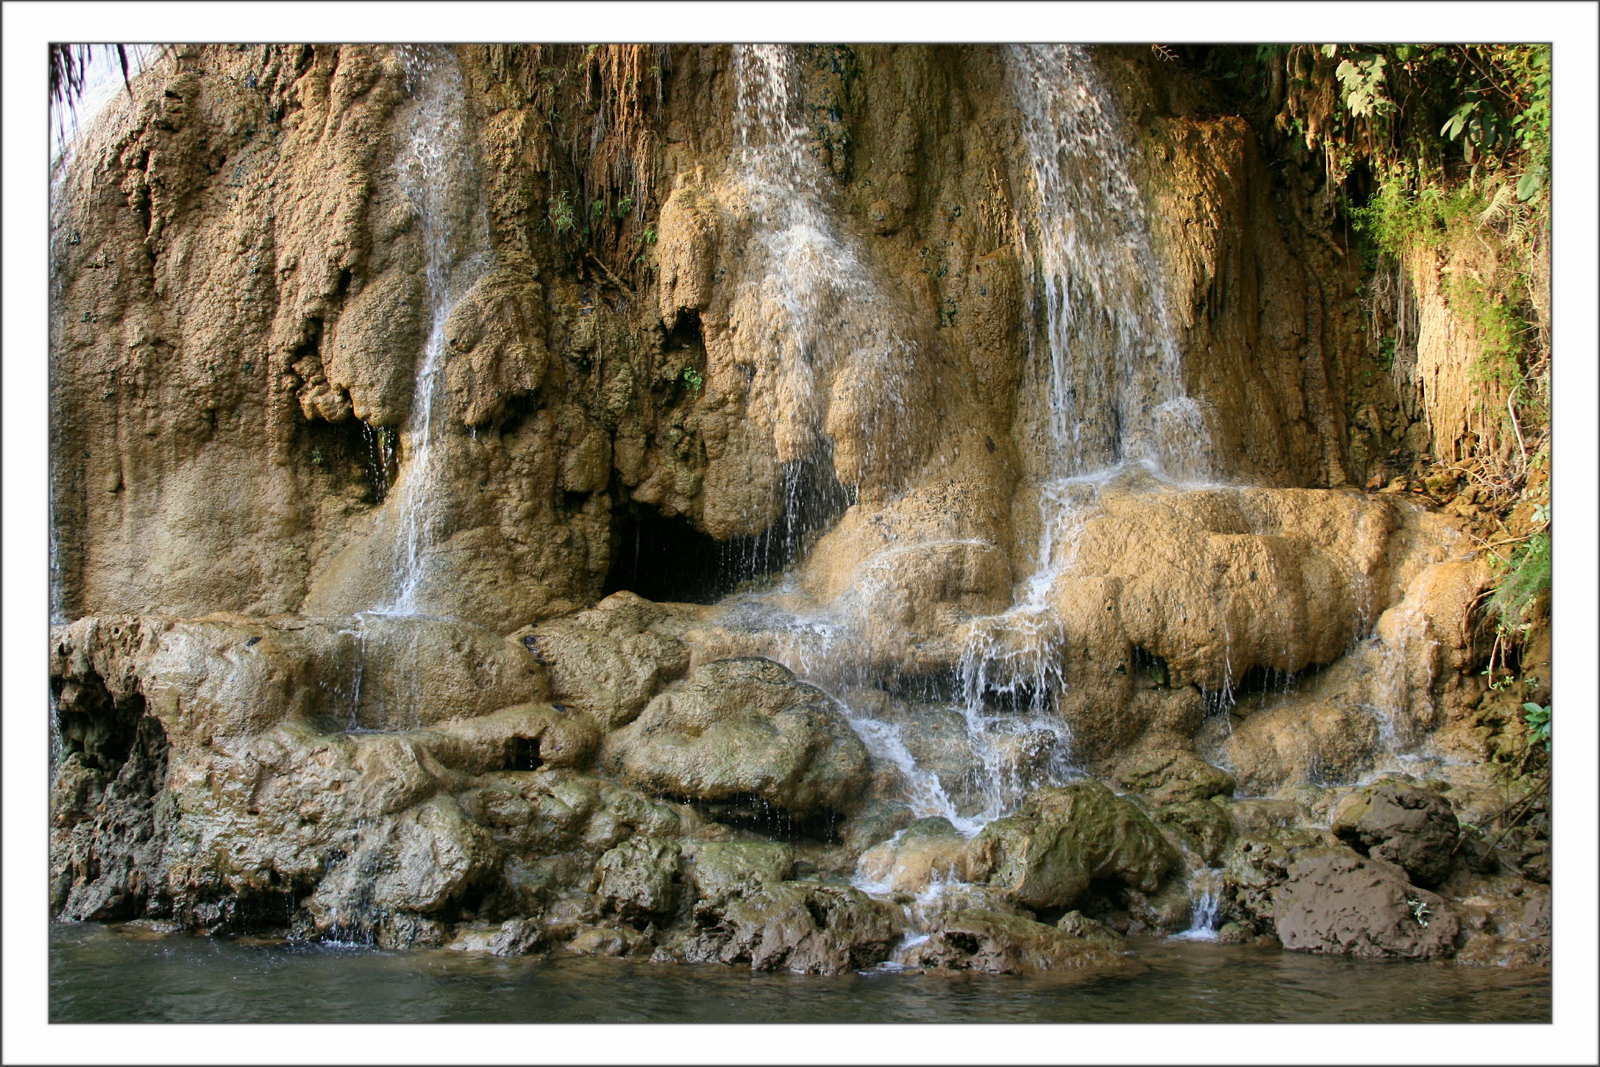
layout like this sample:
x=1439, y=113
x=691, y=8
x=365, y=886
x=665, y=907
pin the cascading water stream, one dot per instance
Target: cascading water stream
x=1205, y=904
x=1107, y=396
x=1112, y=399
x=438, y=178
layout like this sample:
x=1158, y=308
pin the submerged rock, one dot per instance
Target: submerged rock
x=743, y=728
x=1000, y=943
x=806, y=928
x=403, y=871
x=514, y=937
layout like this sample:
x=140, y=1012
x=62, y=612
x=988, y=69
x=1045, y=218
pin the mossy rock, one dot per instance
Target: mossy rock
x=1066, y=837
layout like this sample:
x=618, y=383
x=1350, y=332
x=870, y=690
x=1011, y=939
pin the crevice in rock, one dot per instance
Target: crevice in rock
x=1151, y=666
x=752, y=813
x=522, y=754
x=108, y=828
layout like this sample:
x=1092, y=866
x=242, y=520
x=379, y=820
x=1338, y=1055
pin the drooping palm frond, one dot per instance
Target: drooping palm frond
x=69, y=66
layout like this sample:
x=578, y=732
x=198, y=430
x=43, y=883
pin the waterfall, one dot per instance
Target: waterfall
x=1105, y=401
x=838, y=351
x=1114, y=390
x=1205, y=902
x=439, y=180
x=1112, y=396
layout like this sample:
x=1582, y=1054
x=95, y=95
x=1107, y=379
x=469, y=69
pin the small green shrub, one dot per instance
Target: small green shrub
x=561, y=216
x=1527, y=578
x=1537, y=716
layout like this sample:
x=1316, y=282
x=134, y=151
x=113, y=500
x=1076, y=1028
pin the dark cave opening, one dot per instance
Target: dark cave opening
x=665, y=559
x=522, y=754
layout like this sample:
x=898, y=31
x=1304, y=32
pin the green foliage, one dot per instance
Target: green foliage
x=1496, y=324
x=1537, y=716
x=693, y=379
x=561, y=216
x=1526, y=580
x=1404, y=213
x=1362, y=76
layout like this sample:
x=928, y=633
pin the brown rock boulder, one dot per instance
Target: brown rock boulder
x=1339, y=903
x=1403, y=823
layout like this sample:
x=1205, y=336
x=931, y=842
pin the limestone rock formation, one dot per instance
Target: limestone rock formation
x=806, y=928
x=1047, y=854
x=998, y=943
x=599, y=500
x=743, y=728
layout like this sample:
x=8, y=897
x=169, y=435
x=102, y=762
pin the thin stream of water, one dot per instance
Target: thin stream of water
x=439, y=179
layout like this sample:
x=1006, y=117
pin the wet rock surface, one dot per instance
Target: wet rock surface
x=743, y=728
x=730, y=578
x=1064, y=838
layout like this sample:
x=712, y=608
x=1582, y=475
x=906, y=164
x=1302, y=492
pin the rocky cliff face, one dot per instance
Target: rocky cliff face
x=393, y=387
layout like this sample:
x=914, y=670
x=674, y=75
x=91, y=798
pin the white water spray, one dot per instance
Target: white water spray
x=440, y=181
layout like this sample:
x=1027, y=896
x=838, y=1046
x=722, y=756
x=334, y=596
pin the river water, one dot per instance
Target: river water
x=112, y=973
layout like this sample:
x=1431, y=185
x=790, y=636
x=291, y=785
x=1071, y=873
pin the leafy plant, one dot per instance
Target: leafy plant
x=693, y=379
x=562, y=219
x=1527, y=578
x=1537, y=716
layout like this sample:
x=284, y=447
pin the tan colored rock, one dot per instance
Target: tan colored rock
x=607, y=661
x=739, y=728
x=1172, y=776
x=915, y=863
x=1299, y=741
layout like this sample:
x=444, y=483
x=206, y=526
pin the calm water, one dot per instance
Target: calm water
x=120, y=974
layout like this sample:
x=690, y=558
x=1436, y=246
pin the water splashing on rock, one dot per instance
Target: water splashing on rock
x=440, y=183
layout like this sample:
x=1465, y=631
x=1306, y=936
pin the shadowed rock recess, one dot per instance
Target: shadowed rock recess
x=801, y=507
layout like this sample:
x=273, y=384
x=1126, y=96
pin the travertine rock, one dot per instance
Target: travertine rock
x=1064, y=837
x=738, y=728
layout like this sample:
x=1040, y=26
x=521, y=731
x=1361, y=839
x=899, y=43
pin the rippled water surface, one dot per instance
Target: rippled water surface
x=125, y=974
